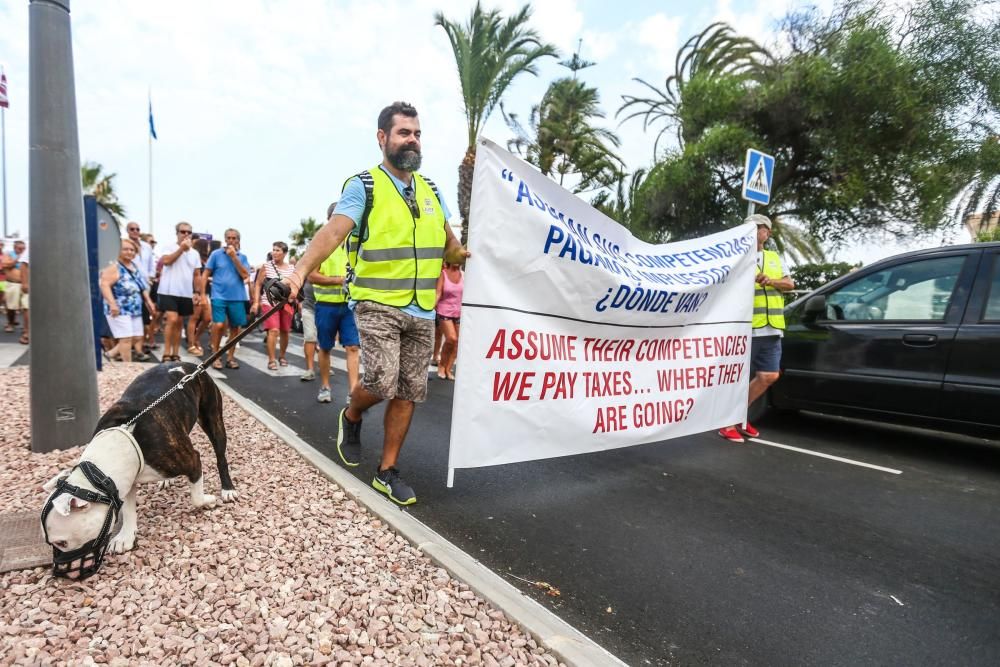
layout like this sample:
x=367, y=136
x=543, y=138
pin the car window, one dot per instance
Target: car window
x=919, y=290
x=993, y=302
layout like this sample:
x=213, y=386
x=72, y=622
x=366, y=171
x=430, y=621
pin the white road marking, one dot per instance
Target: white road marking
x=897, y=600
x=827, y=456
x=11, y=352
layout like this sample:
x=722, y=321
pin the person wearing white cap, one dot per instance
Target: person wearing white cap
x=767, y=326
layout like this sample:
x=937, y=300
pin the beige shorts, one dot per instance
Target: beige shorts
x=308, y=325
x=13, y=297
x=396, y=350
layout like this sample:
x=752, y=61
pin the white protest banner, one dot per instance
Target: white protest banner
x=577, y=337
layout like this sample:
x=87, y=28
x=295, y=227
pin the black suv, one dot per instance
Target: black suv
x=912, y=338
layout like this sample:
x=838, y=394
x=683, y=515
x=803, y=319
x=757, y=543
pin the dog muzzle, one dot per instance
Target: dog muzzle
x=86, y=560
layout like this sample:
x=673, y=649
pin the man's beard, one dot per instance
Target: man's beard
x=405, y=159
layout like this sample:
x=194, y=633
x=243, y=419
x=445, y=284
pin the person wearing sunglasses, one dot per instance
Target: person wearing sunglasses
x=399, y=238
x=175, y=295
x=146, y=264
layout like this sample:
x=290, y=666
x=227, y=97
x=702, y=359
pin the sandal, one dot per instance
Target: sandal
x=24, y=339
x=9, y=329
x=272, y=365
x=196, y=351
x=283, y=361
x=217, y=364
x=232, y=364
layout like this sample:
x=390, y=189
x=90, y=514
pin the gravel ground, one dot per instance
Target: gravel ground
x=294, y=572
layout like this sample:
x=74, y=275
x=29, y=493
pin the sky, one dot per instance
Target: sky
x=264, y=109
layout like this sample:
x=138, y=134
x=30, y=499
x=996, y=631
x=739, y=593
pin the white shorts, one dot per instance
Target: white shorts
x=125, y=326
x=308, y=326
x=15, y=299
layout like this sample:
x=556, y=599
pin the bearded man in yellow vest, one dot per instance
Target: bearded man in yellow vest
x=400, y=237
x=768, y=324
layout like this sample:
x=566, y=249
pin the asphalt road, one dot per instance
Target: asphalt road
x=697, y=551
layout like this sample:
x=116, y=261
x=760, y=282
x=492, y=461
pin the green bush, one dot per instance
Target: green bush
x=985, y=237
x=808, y=277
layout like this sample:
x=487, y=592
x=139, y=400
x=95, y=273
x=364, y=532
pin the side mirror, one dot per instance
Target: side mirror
x=815, y=307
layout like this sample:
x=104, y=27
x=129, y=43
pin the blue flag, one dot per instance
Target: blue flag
x=152, y=128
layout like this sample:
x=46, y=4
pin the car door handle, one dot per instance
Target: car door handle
x=920, y=340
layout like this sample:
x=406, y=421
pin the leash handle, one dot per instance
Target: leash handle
x=203, y=366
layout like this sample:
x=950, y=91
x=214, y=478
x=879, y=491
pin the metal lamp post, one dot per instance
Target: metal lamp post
x=64, y=406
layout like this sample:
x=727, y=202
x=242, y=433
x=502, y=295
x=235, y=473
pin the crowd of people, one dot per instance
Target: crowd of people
x=188, y=289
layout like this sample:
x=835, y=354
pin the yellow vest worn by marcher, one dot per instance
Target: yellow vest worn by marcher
x=334, y=266
x=768, y=303
x=400, y=250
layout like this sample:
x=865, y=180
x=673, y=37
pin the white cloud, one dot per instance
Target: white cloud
x=660, y=34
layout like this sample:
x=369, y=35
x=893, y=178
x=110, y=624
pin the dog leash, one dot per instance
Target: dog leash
x=277, y=294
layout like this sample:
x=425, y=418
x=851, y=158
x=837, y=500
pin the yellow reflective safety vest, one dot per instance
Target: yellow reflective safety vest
x=334, y=266
x=400, y=252
x=768, y=303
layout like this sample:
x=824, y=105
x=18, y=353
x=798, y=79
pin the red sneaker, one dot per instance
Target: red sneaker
x=748, y=430
x=731, y=434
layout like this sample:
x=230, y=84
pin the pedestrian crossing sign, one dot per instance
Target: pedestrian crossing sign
x=757, y=175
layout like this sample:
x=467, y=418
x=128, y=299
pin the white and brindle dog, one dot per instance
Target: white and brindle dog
x=155, y=449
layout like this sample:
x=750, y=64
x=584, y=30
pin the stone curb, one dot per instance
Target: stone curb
x=563, y=640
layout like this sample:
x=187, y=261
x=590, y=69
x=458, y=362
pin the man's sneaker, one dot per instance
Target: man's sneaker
x=748, y=430
x=391, y=484
x=731, y=434
x=307, y=376
x=324, y=395
x=348, y=440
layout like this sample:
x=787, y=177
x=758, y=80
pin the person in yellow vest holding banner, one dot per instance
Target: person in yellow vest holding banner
x=767, y=326
x=333, y=317
x=397, y=222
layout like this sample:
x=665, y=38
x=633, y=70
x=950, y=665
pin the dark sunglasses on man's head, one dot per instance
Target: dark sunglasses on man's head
x=133, y=229
x=184, y=231
x=411, y=201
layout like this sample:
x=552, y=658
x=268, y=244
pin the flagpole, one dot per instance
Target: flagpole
x=3, y=125
x=149, y=138
x=4, y=101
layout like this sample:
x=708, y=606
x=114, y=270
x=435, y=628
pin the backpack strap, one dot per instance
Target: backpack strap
x=369, y=183
x=434, y=187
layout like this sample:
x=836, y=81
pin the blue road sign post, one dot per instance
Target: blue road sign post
x=758, y=173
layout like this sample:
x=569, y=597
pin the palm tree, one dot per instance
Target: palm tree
x=490, y=53
x=101, y=186
x=618, y=207
x=978, y=205
x=797, y=244
x=302, y=236
x=563, y=139
x=715, y=51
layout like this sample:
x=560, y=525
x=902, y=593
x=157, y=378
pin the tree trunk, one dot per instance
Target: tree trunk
x=465, y=171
